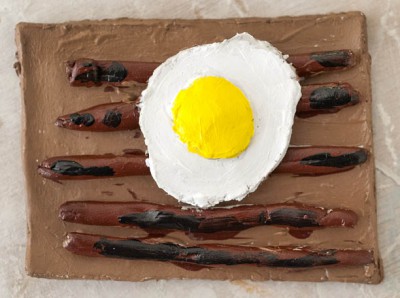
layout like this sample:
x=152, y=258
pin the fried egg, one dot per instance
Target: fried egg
x=217, y=119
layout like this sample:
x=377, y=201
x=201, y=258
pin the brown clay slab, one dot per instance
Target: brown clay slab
x=44, y=48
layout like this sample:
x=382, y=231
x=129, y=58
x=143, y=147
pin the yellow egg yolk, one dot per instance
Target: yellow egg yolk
x=213, y=118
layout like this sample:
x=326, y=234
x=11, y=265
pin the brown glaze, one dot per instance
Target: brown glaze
x=316, y=99
x=190, y=266
x=299, y=161
x=300, y=233
x=147, y=215
x=78, y=167
x=213, y=254
x=216, y=236
x=106, y=117
x=89, y=72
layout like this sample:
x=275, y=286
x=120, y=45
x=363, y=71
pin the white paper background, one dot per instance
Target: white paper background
x=383, y=19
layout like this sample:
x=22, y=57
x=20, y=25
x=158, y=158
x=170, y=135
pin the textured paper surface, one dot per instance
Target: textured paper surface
x=384, y=45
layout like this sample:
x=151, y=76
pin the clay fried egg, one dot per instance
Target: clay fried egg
x=217, y=119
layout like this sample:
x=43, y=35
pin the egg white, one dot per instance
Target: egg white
x=271, y=86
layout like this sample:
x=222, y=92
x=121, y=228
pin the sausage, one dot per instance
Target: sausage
x=104, y=117
x=89, y=72
x=213, y=254
x=316, y=99
x=298, y=160
x=156, y=216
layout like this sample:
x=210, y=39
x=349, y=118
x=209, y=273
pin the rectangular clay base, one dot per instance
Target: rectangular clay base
x=43, y=50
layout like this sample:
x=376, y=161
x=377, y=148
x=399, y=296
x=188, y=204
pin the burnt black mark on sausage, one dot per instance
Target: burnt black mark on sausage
x=169, y=220
x=79, y=119
x=293, y=217
x=90, y=75
x=341, y=161
x=330, y=97
x=72, y=168
x=341, y=58
x=116, y=72
x=161, y=219
x=112, y=118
